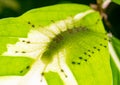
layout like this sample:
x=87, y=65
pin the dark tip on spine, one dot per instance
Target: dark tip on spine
x=80, y=58
x=16, y=51
x=66, y=76
x=85, y=60
x=23, y=40
x=28, y=42
x=41, y=80
x=42, y=73
x=23, y=52
x=73, y=62
x=62, y=70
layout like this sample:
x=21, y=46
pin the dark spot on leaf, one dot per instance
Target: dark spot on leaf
x=88, y=50
x=85, y=60
x=97, y=21
x=89, y=55
x=85, y=53
x=78, y=63
x=27, y=67
x=98, y=49
x=33, y=26
x=94, y=47
x=73, y=62
x=52, y=21
x=100, y=44
x=29, y=22
x=92, y=52
x=105, y=46
x=105, y=38
x=21, y=71
x=80, y=58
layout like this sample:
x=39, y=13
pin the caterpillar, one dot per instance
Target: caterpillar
x=62, y=32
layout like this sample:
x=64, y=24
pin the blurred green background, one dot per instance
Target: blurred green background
x=14, y=8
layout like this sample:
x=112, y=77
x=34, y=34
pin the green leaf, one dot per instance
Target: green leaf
x=69, y=39
x=13, y=31
x=116, y=1
x=115, y=72
x=116, y=45
x=53, y=77
x=15, y=65
x=115, y=59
